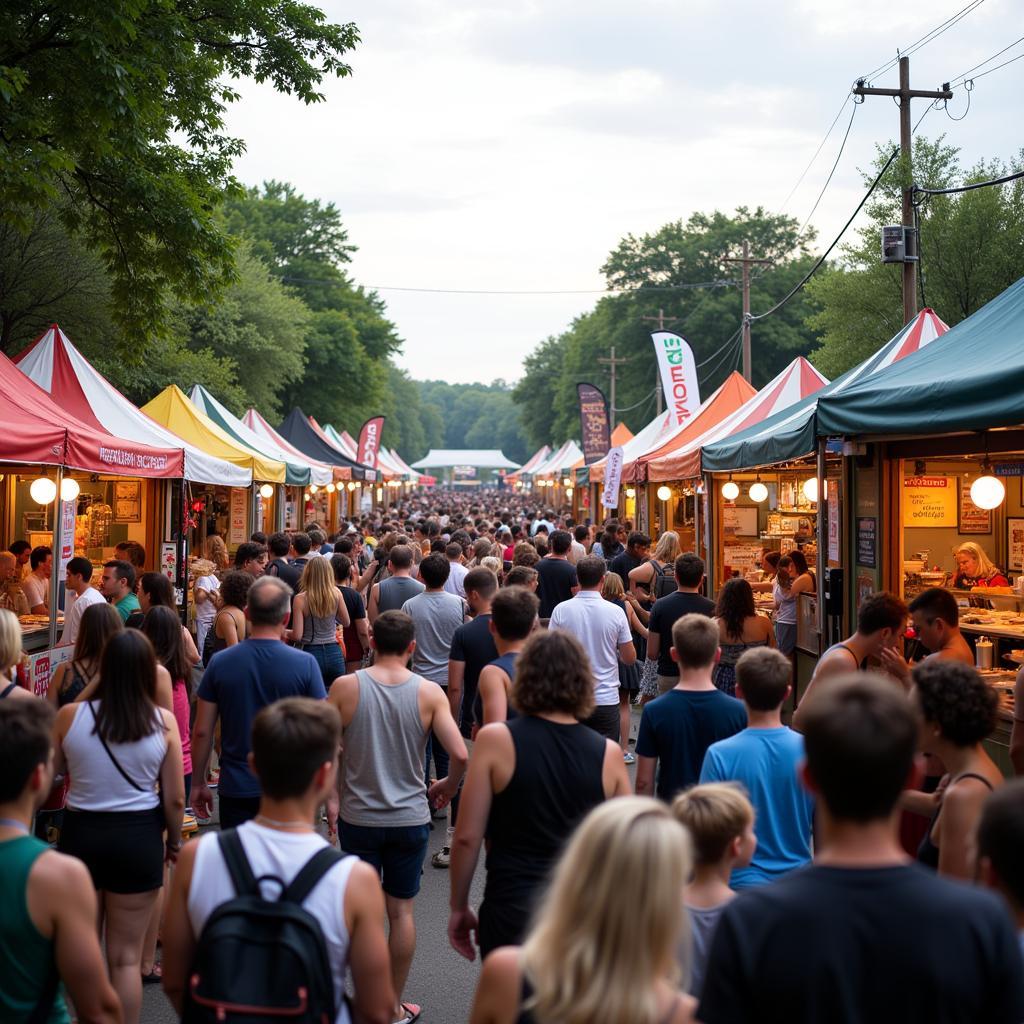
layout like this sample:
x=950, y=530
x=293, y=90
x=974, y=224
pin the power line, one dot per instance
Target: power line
x=696, y=286
x=828, y=180
x=626, y=408
x=821, y=145
x=778, y=305
x=968, y=188
x=962, y=78
x=990, y=70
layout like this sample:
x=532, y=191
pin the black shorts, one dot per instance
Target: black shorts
x=501, y=924
x=605, y=720
x=123, y=850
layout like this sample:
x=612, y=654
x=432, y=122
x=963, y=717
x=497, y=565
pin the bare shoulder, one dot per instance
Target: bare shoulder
x=502, y=974
x=493, y=737
x=343, y=687
x=964, y=793
x=61, y=878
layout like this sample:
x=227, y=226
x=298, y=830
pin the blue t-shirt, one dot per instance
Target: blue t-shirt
x=766, y=762
x=678, y=728
x=243, y=679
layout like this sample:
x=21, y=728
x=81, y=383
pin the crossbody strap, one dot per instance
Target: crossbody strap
x=113, y=760
x=7, y=689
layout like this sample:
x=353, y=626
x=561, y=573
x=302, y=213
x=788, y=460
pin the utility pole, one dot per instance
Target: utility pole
x=613, y=363
x=746, y=259
x=661, y=322
x=905, y=94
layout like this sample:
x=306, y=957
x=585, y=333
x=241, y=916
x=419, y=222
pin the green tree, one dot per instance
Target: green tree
x=534, y=395
x=972, y=248
x=116, y=109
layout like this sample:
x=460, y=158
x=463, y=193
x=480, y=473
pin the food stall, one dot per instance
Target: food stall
x=937, y=441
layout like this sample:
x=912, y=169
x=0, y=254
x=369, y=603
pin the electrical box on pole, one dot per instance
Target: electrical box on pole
x=899, y=244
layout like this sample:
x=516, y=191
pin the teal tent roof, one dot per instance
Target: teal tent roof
x=792, y=433
x=972, y=378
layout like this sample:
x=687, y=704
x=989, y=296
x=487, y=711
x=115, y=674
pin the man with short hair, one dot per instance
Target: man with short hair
x=278, y=565
x=580, y=536
x=603, y=630
x=118, y=587
x=48, y=907
x=881, y=622
x=936, y=619
x=251, y=558
x=668, y=610
x=862, y=934
x=22, y=551
x=12, y=597
x=133, y=552
x=300, y=548
x=390, y=594
x=455, y=584
x=237, y=683
x=295, y=758
x=557, y=575
x=677, y=728
x=765, y=758
x=36, y=585
x=79, y=574
x=638, y=550
x=387, y=718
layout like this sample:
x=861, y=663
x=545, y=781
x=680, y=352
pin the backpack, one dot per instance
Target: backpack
x=262, y=960
x=664, y=581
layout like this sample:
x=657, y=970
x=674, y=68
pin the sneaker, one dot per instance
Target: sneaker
x=628, y=758
x=213, y=778
x=442, y=858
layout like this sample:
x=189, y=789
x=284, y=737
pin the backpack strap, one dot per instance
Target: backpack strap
x=237, y=863
x=7, y=689
x=314, y=869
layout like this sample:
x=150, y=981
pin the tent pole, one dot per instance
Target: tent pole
x=822, y=539
x=56, y=561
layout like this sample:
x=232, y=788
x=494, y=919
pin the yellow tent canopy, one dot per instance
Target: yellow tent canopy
x=173, y=409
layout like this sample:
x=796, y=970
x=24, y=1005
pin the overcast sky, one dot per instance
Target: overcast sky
x=510, y=144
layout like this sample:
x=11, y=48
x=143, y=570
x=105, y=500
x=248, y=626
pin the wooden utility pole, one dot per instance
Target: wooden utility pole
x=746, y=259
x=905, y=94
x=662, y=324
x=613, y=363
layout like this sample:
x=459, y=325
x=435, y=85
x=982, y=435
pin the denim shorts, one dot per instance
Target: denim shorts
x=396, y=851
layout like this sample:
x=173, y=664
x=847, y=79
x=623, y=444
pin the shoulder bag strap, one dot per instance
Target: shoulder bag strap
x=314, y=869
x=113, y=760
x=7, y=689
x=237, y=863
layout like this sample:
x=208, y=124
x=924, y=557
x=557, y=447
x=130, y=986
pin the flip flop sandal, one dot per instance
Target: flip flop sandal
x=412, y=1013
x=154, y=977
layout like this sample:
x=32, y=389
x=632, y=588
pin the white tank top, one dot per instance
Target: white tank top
x=283, y=855
x=96, y=785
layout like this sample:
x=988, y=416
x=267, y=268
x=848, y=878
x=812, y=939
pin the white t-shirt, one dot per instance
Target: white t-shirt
x=73, y=614
x=577, y=552
x=37, y=590
x=600, y=627
x=282, y=855
x=456, y=577
x=207, y=611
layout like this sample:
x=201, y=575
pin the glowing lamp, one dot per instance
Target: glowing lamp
x=351, y=485
x=664, y=493
x=988, y=492
x=69, y=489
x=330, y=488
x=630, y=492
x=43, y=490
x=568, y=492
x=730, y=490
x=306, y=496
x=758, y=492
x=266, y=490
x=810, y=489
x=313, y=488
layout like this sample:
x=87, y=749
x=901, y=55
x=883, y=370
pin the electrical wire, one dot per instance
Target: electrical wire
x=1014, y=176
x=728, y=353
x=646, y=398
x=696, y=286
x=821, y=145
x=828, y=180
x=957, y=80
x=721, y=348
x=778, y=305
x=990, y=70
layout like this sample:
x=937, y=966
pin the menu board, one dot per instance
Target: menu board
x=972, y=518
x=1015, y=542
x=833, y=522
x=930, y=501
x=867, y=542
x=236, y=527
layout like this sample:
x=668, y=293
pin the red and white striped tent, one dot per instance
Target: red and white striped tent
x=795, y=382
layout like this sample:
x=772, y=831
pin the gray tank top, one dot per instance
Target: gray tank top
x=384, y=749
x=393, y=592
x=319, y=629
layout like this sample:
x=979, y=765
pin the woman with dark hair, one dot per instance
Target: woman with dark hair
x=228, y=628
x=792, y=578
x=156, y=591
x=958, y=713
x=509, y=797
x=118, y=749
x=98, y=624
x=739, y=629
x=356, y=634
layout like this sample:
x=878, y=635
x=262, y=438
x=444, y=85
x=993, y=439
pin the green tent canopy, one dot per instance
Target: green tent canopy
x=972, y=378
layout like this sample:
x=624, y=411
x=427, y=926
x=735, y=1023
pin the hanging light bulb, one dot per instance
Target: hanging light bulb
x=306, y=496
x=266, y=490
x=351, y=485
x=987, y=491
x=313, y=488
x=330, y=488
x=568, y=492
x=810, y=489
x=758, y=492
x=664, y=493
x=69, y=489
x=730, y=490
x=43, y=490
x=630, y=492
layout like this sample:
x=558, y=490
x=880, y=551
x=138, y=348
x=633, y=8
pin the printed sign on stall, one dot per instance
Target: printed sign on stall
x=238, y=532
x=930, y=501
x=612, y=478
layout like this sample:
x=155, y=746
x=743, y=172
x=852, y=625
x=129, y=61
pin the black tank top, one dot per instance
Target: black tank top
x=507, y=664
x=928, y=852
x=557, y=780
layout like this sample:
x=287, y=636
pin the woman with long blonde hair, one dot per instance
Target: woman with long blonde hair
x=317, y=612
x=605, y=941
x=975, y=569
x=10, y=655
x=643, y=580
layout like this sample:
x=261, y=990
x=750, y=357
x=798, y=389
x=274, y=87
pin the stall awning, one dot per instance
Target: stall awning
x=384, y=464
x=298, y=472
x=971, y=378
x=57, y=366
x=652, y=434
x=560, y=461
x=796, y=382
x=343, y=448
x=480, y=458
x=792, y=433
x=728, y=397
x=298, y=432
x=173, y=409
x=323, y=473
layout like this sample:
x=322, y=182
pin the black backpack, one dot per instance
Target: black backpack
x=262, y=960
x=664, y=581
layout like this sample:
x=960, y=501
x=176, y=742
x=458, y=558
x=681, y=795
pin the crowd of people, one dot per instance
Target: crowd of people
x=466, y=658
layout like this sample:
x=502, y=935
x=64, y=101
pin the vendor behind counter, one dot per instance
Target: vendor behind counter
x=976, y=569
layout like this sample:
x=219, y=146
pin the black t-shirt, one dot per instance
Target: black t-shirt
x=354, y=603
x=665, y=613
x=557, y=578
x=474, y=645
x=623, y=564
x=284, y=570
x=864, y=946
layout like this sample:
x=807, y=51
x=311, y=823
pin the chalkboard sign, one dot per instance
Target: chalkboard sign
x=867, y=542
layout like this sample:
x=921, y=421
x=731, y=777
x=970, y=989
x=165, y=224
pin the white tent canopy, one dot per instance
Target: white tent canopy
x=479, y=458
x=561, y=461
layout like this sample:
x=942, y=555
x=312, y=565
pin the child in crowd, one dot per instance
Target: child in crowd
x=720, y=820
